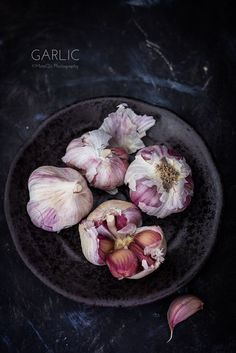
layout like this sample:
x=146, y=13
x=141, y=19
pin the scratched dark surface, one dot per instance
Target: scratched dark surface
x=171, y=53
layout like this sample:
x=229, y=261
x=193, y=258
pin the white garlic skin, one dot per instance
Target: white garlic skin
x=59, y=198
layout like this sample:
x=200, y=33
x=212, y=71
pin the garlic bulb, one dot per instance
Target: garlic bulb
x=111, y=236
x=127, y=128
x=59, y=198
x=160, y=181
x=182, y=308
x=103, y=167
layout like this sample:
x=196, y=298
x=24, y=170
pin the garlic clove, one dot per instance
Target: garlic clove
x=148, y=238
x=90, y=242
x=59, y=198
x=128, y=229
x=182, y=308
x=127, y=128
x=160, y=181
x=132, y=215
x=122, y=263
x=149, y=245
x=103, y=167
x=106, y=245
x=138, y=251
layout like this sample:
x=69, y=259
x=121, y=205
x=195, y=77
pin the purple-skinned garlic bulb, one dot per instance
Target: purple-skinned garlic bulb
x=59, y=198
x=111, y=235
x=103, y=167
x=127, y=128
x=160, y=181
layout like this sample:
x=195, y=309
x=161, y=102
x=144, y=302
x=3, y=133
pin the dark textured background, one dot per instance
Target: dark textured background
x=177, y=54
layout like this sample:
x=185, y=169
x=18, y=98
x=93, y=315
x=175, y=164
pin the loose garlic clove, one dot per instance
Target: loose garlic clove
x=127, y=128
x=182, y=308
x=160, y=181
x=59, y=198
x=122, y=263
x=103, y=167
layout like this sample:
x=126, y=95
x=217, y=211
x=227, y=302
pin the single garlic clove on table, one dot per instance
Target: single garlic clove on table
x=111, y=235
x=160, y=181
x=103, y=167
x=182, y=308
x=59, y=198
x=127, y=128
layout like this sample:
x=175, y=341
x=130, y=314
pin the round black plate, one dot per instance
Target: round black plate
x=57, y=258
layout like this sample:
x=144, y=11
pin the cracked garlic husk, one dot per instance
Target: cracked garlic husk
x=59, y=198
x=127, y=128
x=103, y=167
x=181, y=309
x=111, y=235
x=160, y=181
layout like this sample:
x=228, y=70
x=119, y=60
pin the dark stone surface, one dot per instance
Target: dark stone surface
x=177, y=54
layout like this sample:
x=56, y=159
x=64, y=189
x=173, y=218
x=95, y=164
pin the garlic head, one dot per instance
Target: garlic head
x=160, y=181
x=111, y=235
x=59, y=198
x=103, y=167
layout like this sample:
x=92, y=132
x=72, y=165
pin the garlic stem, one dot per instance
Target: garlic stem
x=106, y=153
x=171, y=335
x=78, y=188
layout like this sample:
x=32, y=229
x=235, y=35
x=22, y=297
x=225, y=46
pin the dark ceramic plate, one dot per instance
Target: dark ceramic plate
x=57, y=258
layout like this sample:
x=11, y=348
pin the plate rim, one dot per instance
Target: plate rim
x=104, y=302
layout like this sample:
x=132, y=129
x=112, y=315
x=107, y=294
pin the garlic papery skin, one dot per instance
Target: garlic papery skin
x=124, y=213
x=103, y=167
x=59, y=198
x=127, y=128
x=182, y=308
x=111, y=235
x=160, y=181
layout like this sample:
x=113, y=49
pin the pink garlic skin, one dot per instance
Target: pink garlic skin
x=146, y=187
x=102, y=166
x=182, y=308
